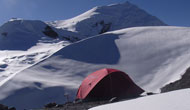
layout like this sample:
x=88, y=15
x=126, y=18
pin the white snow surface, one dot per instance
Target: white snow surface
x=118, y=16
x=152, y=56
x=22, y=44
x=175, y=100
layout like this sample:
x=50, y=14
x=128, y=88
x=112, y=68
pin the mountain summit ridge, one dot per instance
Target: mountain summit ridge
x=108, y=18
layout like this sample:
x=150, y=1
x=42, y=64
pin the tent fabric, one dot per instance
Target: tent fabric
x=108, y=83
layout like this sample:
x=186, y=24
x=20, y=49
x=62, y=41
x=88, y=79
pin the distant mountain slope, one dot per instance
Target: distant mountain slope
x=152, y=56
x=108, y=18
x=26, y=42
x=19, y=34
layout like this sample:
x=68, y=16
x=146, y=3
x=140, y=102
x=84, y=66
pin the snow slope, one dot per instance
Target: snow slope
x=20, y=34
x=152, y=56
x=108, y=18
x=175, y=100
x=23, y=44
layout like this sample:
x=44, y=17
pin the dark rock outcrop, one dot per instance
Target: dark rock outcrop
x=50, y=32
x=183, y=83
x=76, y=106
x=105, y=27
x=51, y=105
x=4, y=34
x=4, y=107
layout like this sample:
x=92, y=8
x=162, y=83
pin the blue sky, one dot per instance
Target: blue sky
x=172, y=12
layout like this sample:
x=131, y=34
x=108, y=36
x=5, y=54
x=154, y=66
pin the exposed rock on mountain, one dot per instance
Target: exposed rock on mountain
x=182, y=83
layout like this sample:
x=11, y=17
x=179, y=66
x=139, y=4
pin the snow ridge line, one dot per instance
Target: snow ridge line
x=14, y=74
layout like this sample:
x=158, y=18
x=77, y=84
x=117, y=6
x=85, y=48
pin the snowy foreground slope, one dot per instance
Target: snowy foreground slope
x=175, y=100
x=152, y=56
x=108, y=18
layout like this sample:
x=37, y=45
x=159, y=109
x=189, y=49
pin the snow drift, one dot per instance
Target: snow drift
x=151, y=56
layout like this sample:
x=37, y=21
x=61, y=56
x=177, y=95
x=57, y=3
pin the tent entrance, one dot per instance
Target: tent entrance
x=113, y=85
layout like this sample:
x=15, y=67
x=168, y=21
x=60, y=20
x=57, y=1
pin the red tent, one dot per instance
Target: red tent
x=108, y=83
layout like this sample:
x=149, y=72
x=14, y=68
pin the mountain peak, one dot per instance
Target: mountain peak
x=15, y=19
x=125, y=4
x=108, y=18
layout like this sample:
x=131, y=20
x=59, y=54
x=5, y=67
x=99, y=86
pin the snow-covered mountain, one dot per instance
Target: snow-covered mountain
x=26, y=42
x=108, y=18
x=40, y=62
x=152, y=56
x=19, y=34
